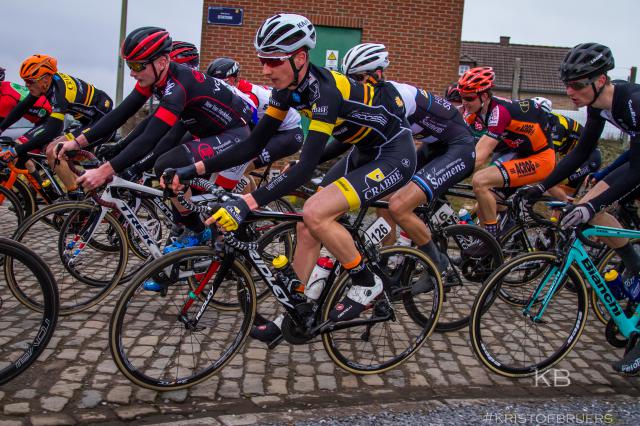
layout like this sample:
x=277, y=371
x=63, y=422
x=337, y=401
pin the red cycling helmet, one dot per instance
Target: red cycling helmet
x=146, y=44
x=476, y=80
x=184, y=52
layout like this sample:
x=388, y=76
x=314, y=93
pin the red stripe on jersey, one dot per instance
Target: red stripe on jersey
x=167, y=116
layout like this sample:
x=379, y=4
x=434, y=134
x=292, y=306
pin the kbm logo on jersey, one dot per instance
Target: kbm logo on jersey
x=377, y=182
x=322, y=110
x=524, y=106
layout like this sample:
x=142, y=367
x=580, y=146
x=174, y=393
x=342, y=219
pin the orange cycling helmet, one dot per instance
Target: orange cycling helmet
x=476, y=80
x=37, y=66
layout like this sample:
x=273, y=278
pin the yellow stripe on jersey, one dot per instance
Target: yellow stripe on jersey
x=71, y=89
x=342, y=83
x=349, y=193
x=57, y=116
x=321, y=126
x=276, y=113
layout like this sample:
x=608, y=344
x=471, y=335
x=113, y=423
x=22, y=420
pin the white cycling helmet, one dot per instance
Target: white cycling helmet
x=365, y=57
x=544, y=103
x=285, y=33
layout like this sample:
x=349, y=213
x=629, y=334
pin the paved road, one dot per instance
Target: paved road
x=76, y=380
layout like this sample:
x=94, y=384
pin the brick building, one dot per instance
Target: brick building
x=423, y=36
x=539, y=74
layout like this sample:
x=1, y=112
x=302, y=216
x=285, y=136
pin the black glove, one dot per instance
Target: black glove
x=109, y=150
x=582, y=213
x=526, y=196
x=132, y=174
x=187, y=173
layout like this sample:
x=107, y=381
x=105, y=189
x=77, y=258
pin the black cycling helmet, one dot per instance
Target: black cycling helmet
x=146, y=44
x=586, y=60
x=2, y=74
x=452, y=93
x=223, y=67
x=184, y=52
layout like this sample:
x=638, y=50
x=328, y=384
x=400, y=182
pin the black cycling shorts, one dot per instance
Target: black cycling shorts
x=368, y=174
x=441, y=165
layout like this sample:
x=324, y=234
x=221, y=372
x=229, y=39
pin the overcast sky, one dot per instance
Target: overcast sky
x=83, y=34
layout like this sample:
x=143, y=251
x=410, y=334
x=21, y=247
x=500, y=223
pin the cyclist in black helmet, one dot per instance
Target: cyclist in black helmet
x=584, y=73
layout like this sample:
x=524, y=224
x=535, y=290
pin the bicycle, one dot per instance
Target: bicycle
x=154, y=360
x=554, y=307
x=25, y=333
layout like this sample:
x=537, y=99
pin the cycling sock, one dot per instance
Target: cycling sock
x=630, y=258
x=492, y=228
x=431, y=250
x=192, y=221
x=359, y=273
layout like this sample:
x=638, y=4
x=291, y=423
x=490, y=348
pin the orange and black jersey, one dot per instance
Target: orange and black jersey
x=520, y=126
x=66, y=95
x=365, y=115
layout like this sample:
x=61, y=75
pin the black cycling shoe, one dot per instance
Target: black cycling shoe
x=630, y=364
x=269, y=331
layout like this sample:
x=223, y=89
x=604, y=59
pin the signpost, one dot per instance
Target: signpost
x=225, y=16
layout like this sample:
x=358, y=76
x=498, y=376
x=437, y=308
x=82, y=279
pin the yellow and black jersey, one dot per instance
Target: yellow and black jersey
x=70, y=95
x=338, y=106
x=565, y=132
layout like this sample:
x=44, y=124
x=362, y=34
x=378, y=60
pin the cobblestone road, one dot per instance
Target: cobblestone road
x=75, y=381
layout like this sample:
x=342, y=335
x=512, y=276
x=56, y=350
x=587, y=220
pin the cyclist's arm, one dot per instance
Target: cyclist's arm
x=168, y=141
x=622, y=180
x=622, y=158
x=298, y=174
x=52, y=128
x=249, y=148
x=119, y=115
x=586, y=145
x=484, y=148
x=16, y=113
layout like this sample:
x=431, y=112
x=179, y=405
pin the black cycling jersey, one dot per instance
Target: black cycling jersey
x=204, y=105
x=624, y=114
x=565, y=132
x=67, y=95
x=366, y=115
x=437, y=117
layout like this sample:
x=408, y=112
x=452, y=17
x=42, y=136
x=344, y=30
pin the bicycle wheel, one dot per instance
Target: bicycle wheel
x=508, y=340
x=153, y=223
x=84, y=273
x=159, y=346
x=466, y=273
x=25, y=332
x=11, y=212
x=381, y=346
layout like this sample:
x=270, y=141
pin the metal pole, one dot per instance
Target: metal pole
x=123, y=30
x=515, y=88
x=632, y=75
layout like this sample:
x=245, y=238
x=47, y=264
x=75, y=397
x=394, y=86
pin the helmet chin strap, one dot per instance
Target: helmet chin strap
x=596, y=92
x=296, y=72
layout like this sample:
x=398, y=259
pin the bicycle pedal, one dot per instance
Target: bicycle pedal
x=275, y=342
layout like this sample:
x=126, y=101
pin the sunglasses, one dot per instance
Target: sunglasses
x=138, y=65
x=580, y=84
x=359, y=77
x=469, y=98
x=273, y=62
x=30, y=81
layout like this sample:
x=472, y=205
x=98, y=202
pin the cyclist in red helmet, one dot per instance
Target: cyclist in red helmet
x=186, y=53
x=517, y=129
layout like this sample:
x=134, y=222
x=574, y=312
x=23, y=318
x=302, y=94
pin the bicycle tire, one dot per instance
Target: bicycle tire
x=166, y=308
x=344, y=345
x=78, y=291
x=497, y=327
x=27, y=347
x=11, y=212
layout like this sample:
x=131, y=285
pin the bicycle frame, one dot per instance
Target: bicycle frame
x=577, y=254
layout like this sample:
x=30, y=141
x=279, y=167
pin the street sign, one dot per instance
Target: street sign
x=225, y=16
x=331, y=59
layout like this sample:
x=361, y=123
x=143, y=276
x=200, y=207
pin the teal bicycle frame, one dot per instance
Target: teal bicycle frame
x=578, y=254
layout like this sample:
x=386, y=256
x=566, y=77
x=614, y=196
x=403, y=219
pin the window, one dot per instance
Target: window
x=462, y=69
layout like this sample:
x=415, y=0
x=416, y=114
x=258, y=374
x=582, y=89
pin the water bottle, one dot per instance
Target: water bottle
x=404, y=241
x=286, y=274
x=632, y=288
x=318, y=278
x=51, y=192
x=615, y=284
x=465, y=216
